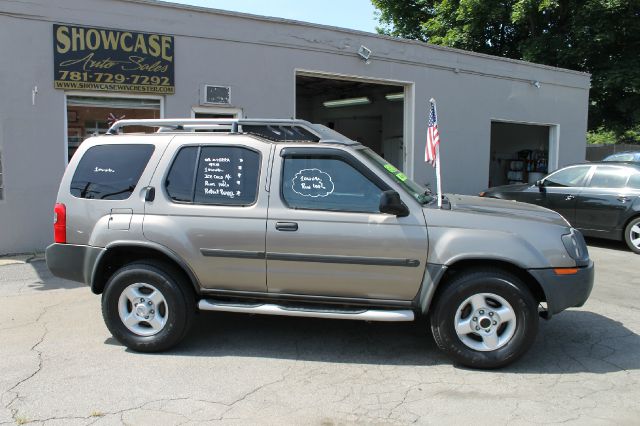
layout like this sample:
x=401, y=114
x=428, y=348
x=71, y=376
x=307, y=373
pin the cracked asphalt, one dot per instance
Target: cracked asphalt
x=60, y=366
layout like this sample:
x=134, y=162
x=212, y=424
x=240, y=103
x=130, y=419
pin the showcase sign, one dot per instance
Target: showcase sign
x=87, y=58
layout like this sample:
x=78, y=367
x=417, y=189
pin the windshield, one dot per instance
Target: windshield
x=624, y=156
x=420, y=193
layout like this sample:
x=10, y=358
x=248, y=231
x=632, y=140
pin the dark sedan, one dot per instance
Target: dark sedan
x=600, y=199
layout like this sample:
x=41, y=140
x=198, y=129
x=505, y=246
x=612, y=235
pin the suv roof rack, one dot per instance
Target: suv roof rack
x=278, y=130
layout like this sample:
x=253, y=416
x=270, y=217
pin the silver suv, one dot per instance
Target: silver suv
x=285, y=217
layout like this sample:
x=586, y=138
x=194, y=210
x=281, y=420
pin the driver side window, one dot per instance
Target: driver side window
x=571, y=177
x=328, y=183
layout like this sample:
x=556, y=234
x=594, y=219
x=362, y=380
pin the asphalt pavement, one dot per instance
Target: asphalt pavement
x=60, y=366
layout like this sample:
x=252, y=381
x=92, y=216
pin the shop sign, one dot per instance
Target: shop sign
x=87, y=58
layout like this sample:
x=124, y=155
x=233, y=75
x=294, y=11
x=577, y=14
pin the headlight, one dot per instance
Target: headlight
x=575, y=245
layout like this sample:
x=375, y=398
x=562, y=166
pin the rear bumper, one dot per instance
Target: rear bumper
x=72, y=262
x=565, y=291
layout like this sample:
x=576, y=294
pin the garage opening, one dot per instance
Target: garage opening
x=370, y=113
x=520, y=152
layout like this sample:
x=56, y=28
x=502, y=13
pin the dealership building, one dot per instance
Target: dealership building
x=71, y=67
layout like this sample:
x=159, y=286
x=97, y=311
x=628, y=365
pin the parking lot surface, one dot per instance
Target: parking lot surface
x=60, y=365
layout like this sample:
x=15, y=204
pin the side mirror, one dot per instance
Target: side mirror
x=540, y=184
x=390, y=203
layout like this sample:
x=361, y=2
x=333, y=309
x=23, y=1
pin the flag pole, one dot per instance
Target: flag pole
x=438, y=179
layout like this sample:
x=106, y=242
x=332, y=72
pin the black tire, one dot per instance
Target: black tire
x=178, y=304
x=497, y=282
x=631, y=234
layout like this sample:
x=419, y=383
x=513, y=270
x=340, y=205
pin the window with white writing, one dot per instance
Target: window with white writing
x=110, y=172
x=216, y=175
x=327, y=183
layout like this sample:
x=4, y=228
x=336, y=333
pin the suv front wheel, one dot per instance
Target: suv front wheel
x=485, y=319
x=146, y=307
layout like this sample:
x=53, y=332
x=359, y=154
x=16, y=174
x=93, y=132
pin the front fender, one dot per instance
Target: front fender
x=450, y=245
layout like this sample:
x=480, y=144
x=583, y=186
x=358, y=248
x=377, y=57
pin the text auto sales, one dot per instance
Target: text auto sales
x=103, y=59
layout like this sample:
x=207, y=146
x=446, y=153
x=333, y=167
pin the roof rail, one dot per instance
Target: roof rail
x=273, y=129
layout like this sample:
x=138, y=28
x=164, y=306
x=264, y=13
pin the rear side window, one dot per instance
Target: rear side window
x=110, y=172
x=179, y=181
x=609, y=177
x=221, y=175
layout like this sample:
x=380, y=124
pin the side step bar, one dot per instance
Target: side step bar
x=271, y=309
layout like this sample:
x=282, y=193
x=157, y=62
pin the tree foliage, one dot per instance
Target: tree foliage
x=601, y=37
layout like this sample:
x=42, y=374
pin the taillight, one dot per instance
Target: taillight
x=60, y=223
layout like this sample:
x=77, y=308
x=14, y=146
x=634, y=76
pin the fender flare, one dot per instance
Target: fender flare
x=182, y=264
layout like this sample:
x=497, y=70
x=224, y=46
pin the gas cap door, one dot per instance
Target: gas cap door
x=120, y=219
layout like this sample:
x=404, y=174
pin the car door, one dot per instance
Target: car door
x=561, y=188
x=210, y=209
x=327, y=237
x=603, y=206
x=531, y=194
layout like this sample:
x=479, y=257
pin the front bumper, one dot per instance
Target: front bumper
x=565, y=291
x=72, y=262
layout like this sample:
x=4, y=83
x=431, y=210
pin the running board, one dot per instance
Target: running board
x=271, y=309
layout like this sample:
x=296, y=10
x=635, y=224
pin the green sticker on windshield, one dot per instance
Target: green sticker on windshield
x=390, y=168
x=401, y=176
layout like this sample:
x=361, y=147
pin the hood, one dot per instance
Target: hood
x=509, y=188
x=505, y=208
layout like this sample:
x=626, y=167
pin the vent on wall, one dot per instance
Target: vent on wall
x=217, y=95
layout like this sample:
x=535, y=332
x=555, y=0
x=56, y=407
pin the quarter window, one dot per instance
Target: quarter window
x=220, y=175
x=573, y=176
x=326, y=183
x=609, y=177
x=110, y=172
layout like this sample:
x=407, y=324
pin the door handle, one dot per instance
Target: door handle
x=623, y=199
x=286, y=226
x=569, y=197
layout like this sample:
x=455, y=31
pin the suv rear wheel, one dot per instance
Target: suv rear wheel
x=147, y=307
x=485, y=319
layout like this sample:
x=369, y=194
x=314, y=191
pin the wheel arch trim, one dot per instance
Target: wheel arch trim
x=436, y=276
x=97, y=286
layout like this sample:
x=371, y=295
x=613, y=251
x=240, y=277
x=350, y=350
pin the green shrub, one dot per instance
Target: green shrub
x=601, y=136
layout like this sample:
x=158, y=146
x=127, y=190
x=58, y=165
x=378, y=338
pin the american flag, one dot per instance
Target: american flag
x=433, y=137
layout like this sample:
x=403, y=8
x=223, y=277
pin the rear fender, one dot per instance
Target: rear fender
x=136, y=250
